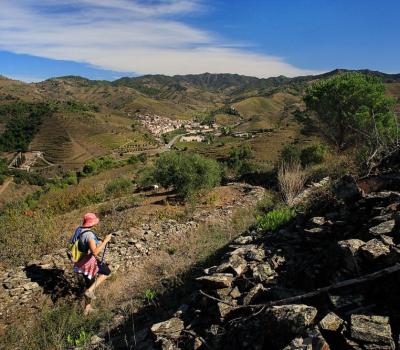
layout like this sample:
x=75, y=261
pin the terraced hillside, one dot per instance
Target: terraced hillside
x=71, y=137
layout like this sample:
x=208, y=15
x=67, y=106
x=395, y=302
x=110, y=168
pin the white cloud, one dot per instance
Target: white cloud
x=128, y=36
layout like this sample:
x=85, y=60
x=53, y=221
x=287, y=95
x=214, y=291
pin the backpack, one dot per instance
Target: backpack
x=73, y=252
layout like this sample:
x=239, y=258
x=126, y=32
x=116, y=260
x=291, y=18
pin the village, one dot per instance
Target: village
x=193, y=131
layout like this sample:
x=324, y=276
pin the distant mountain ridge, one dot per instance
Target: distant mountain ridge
x=180, y=96
x=218, y=81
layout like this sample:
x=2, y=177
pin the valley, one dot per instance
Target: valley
x=189, y=174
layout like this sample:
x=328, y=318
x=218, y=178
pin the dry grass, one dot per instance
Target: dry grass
x=168, y=267
x=291, y=178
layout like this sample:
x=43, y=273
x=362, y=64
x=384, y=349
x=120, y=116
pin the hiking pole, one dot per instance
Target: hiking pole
x=104, y=253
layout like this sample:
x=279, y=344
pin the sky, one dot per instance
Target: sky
x=108, y=39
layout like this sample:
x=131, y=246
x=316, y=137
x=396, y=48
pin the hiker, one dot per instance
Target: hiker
x=94, y=271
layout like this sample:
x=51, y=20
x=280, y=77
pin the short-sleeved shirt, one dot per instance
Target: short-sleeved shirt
x=84, y=239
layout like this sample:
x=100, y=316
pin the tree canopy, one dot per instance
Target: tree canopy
x=351, y=107
x=186, y=173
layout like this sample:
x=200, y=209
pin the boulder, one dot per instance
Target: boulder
x=331, y=323
x=216, y=281
x=374, y=249
x=383, y=228
x=170, y=329
x=373, y=330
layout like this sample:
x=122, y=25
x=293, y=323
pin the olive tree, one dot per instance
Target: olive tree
x=186, y=173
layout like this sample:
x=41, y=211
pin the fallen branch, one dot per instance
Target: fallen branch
x=300, y=297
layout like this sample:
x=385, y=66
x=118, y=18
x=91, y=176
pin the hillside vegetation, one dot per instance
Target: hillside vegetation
x=176, y=208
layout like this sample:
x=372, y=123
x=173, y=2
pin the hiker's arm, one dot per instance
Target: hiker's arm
x=97, y=249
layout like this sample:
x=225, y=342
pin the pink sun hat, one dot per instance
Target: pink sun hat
x=90, y=220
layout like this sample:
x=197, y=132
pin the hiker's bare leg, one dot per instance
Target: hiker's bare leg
x=99, y=280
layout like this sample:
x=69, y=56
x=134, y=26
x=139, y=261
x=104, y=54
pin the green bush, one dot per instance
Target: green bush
x=274, y=219
x=291, y=154
x=239, y=160
x=21, y=176
x=118, y=187
x=2, y=179
x=186, y=173
x=95, y=165
x=142, y=157
x=313, y=155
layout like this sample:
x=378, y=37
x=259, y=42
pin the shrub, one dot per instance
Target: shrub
x=291, y=179
x=290, y=154
x=95, y=165
x=118, y=187
x=186, y=173
x=239, y=160
x=313, y=155
x=2, y=179
x=274, y=219
x=21, y=176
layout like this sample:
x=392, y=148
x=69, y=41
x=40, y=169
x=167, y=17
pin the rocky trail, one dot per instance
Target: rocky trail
x=25, y=289
x=330, y=280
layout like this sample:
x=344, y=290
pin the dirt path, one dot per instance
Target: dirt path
x=5, y=185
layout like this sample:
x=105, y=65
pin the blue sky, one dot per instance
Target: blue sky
x=107, y=39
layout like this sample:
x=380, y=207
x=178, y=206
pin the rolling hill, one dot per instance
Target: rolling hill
x=69, y=138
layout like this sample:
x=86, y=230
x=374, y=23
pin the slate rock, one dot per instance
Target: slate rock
x=293, y=317
x=170, y=329
x=244, y=240
x=225, y=309
x=255, y=293
x=263, y=272
x=373, y=330
x=331, y=322
x=216, y=281
x=342, y=302
x=235, y=293
x=374, y=249
x=317, y=221
x=383, y=228
x=235, y=264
